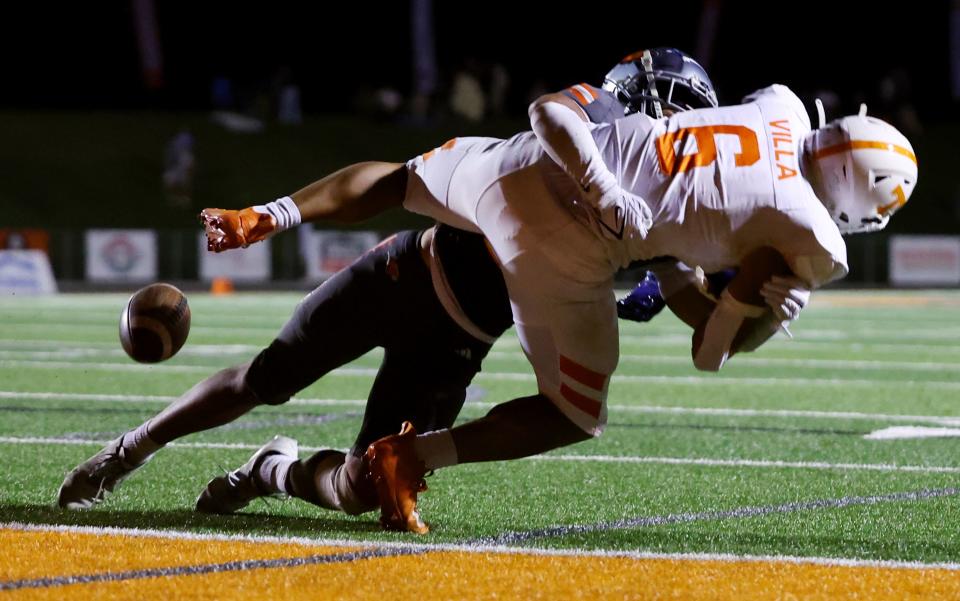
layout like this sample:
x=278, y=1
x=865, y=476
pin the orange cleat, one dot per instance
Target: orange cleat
x=227, y=229
x=397, y=474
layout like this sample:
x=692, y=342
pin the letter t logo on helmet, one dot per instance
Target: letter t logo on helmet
x=862, y=169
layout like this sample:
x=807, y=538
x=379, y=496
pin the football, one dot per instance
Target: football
x=155, y=323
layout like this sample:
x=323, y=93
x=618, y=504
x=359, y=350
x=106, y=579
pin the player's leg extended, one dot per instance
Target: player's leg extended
x=331, y=326
x=381, y=305
x=428, y=363
x=573, y=349
x=573, y=367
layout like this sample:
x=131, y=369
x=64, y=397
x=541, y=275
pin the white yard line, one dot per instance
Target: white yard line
x=708, y=462
x=218, y=351
x=912, y=432
x=945, y=420
x=501, y=376
x=509, y=345
x=697, y=461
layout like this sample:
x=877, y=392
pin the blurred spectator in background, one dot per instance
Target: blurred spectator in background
x=954, y=45
x=499, y=86
x=179, y=165
x=467, y=98
x=896, y=102
x=285, y=94
x=425, y=72
x=221, y=93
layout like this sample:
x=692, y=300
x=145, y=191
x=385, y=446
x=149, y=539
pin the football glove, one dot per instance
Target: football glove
x=787, y=296
x=227, y=229
x=644, y=301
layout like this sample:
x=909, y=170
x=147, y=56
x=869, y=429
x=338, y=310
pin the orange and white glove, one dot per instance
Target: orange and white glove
x=227, y=228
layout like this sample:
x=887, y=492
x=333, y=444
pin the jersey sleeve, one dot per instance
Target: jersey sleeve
x=817, y=254
x=781, y=94
x=599, y=105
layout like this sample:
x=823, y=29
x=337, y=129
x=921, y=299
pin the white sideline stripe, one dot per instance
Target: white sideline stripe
x=732, y=412
x=508, y=376
x=133, y=398
x=816, y=465
x=655, y=409
x=211, y=350
x=473, y=548
x=660, y=341
x=911, y=432
x=159, y=367
x=808, y=363
x=81, y=353
x=811, y=465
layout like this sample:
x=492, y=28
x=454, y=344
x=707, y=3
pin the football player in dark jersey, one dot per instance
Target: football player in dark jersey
x=435, y=300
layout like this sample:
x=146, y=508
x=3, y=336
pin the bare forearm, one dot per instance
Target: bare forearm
x=519, y=428
x=690, y=305
x=354, y=193
x=755, y=332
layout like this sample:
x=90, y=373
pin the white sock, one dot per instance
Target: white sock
x=137, y=445
x=436, y=449
x=272, y=472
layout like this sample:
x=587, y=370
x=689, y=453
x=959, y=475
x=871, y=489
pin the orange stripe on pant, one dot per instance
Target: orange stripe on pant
x=584, y=375
x=580, y=401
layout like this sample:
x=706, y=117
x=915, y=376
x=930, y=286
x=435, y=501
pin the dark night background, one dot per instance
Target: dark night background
x=86, y=140
x=84, y=55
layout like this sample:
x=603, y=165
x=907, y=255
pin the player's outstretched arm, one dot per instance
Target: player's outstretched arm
x=354, y=193
x=350, y=195
x=561, y=127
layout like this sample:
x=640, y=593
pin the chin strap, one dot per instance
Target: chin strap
x=647, y=61
x=821, y=114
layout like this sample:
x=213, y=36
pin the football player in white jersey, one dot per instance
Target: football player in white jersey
x=377, y=289
x=748, y=186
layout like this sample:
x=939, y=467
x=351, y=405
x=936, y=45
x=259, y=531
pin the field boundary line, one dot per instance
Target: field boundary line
x=476, y=547
x=693, y=461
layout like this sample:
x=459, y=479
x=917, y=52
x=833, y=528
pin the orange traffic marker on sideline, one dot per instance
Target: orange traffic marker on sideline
x=221, y=286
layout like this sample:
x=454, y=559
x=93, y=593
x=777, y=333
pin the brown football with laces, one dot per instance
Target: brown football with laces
x=154, y=323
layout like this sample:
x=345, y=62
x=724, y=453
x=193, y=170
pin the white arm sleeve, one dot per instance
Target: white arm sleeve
x=567, y=140
x=721, y=329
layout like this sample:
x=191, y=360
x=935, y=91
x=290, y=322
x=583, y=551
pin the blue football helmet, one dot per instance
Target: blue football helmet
x=650, y=81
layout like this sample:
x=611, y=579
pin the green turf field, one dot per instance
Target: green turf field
x=769, y=457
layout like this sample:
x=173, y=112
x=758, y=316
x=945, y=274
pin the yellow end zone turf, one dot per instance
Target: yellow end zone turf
x=439, y=574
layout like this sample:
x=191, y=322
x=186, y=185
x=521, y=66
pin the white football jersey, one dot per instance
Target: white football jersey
x=722, y=182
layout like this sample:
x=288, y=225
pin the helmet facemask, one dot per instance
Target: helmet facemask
x=652, y=81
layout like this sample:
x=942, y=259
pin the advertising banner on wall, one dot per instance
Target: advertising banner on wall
x=331, y=250
x=251, y=264
x=121, y=255
x=925, y=260
x=24, y=238
x=25, y=272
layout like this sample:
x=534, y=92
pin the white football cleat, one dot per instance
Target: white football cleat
x=90, y=482
x=234, y=490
